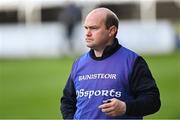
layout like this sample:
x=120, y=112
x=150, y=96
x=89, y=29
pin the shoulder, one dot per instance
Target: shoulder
x=80, y=60
x=127, y=53
x=84, y=57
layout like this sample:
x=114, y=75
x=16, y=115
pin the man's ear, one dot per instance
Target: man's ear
x=112, y=30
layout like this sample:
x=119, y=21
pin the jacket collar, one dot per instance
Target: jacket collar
x=108, y=51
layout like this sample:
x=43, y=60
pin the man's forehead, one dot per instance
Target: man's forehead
x=94, y=18
x=93, y=21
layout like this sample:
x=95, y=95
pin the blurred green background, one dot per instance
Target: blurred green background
x=31, y=88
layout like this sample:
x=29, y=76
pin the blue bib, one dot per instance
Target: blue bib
x=96, y=81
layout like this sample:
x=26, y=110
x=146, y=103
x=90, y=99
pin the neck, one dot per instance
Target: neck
x=108, y=51
x=99, y=52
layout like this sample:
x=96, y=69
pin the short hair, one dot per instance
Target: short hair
x=110, y=20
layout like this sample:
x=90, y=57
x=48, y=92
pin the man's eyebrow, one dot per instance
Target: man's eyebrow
x=90, y=26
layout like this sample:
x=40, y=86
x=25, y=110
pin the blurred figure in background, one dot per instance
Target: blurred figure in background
x=178, y=35
x=70, y=16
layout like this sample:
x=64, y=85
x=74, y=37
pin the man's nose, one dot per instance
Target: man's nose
x=88, y=33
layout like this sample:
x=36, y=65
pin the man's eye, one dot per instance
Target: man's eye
x=94, y=28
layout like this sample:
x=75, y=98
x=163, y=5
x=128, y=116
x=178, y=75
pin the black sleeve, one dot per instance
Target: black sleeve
x=144, y=89
x=68, y=100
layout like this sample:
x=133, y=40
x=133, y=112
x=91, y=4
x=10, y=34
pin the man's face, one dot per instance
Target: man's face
x=97, y=36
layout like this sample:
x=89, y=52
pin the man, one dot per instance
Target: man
x=110, y=81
